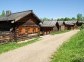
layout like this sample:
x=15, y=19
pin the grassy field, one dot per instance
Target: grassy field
x=14, y=45
x=71, y=51
x=58, y=32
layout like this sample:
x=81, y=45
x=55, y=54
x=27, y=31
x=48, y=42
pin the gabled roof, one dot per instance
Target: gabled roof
x=3, y=18
x=17, y=16
x=80, y=21
x=29, y=23
x=48, y=23
x=70, y=22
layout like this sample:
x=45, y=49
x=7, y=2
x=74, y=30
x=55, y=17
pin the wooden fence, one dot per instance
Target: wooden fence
x=5, y=36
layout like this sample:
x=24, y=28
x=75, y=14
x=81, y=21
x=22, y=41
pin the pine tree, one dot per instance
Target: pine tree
x=79, y=17
x=3, y=13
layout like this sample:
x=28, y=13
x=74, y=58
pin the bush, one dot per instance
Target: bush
x=82, y=27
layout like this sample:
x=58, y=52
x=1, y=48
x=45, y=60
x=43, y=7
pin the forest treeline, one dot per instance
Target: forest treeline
x=79, y=17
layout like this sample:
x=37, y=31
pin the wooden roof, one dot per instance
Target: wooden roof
x=48, y=23
x=69, y=22
x=52, y=23
x=29, y=23
x=17, y=16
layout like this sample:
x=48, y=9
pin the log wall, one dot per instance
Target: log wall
x=6, y=37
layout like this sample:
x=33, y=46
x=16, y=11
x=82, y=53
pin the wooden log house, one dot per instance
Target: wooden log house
x=60, y=25
x=48, y=26
x=19, y=25
x=70, y=25
x=79, y=23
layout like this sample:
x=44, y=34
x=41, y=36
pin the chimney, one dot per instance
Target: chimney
x=8, y=13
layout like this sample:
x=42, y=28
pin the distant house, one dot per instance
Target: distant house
x=19, y=25
x=79, y=23
x=48, y=26
x=70, y=25
x=60, y=25
x=74, y=24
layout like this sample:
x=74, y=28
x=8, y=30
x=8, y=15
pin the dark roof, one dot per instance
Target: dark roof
x=70, y=22
x=48, y=23
x=29, y=23
x=53, y=23
x=3, y=18
x=17, y=16
x=81, y=22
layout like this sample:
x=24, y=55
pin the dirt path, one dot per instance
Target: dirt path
x=40, y=51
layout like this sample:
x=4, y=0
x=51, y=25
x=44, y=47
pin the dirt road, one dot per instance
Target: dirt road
x=40, y=51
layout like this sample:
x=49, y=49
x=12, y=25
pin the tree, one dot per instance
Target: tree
x=3, y=13
x=46, y=19
x=79, y=17
x=82, y=18
x=73, y=18
x=60, y=19
x=66, y=19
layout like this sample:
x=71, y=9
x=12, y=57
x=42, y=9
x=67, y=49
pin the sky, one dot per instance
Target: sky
x=45, y=8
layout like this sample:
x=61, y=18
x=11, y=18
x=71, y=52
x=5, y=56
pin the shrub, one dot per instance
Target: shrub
x=82, y=27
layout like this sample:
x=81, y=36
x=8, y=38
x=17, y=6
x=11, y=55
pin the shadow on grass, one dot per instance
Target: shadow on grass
x=78, y=60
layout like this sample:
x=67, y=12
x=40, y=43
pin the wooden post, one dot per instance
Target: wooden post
x=27, y=31
x=14, y=31
x=39, y=31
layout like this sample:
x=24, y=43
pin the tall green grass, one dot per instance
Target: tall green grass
x=71, y=51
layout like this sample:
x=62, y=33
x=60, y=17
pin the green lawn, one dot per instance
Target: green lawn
x=58, y=32
x=72, y=51
x=14, y=45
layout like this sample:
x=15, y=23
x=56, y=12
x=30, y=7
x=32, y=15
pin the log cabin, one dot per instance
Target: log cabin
x=48, y=26
x=60, y=25
x=79, y=23
x=70, y=25
x=19, y=25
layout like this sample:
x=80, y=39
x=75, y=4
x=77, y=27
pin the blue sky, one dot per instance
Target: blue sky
x=45, y=8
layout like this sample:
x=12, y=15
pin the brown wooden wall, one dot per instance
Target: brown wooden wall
x=69, y=27
x=27, y=30
x=46, y=30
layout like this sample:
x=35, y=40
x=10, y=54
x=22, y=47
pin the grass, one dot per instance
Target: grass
x=14, y=45
x=72, y=51
x=58, y=32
